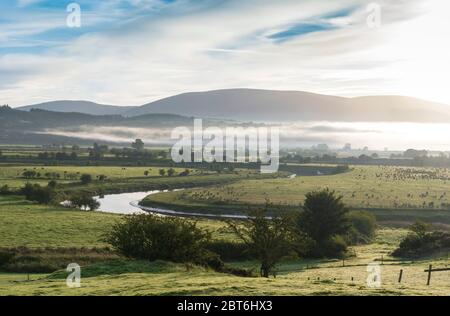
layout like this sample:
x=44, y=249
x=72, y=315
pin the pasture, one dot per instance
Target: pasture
x=364, y=187
x=294, y=277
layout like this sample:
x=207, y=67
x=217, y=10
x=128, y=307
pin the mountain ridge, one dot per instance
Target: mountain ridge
x=274, y=105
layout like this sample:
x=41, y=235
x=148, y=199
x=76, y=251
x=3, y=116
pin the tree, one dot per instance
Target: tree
x=86, y=178
x=151, y=237
x=84, y=201
x=324, y=217
x=419, y=228
x=4, y=189
x=101, y=177
x=270, y=239
x=146, y=173
x=162, y=172
x=36, y=193
x=28, y=174
x=138, y=144
x=52, y=184
x=170, y=172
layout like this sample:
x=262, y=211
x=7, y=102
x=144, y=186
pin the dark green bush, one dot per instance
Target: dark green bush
x=154, y=237
x=5, y=257
x=418, y=245
x=229, y=251
x=363, y=226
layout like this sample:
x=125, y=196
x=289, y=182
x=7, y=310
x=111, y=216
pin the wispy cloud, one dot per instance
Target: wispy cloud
x=135, y=51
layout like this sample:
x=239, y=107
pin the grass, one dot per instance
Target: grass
x=23, y=223
x=12, y=174
x=295, y=277
x=27, y=224
x=364, y=187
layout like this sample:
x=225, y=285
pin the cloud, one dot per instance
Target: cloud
x=131, y=52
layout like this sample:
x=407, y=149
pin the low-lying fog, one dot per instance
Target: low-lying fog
x=376, y=136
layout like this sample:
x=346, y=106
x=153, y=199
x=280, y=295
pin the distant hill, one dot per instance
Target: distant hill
x=78, y=106
x=267, y=105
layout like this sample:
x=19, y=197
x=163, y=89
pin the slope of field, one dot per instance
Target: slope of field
x=27, y=224
x=305, y=277
x=368, y=187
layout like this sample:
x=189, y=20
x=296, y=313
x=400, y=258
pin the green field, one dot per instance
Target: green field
x=48, y=228
x=364, y=187
x=12, y=174
x=23, y=223
x=294, y=277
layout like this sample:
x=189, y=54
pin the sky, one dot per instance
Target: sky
x=131, y=52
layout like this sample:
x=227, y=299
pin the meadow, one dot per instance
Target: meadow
x=294, y=277
x=363, y=187
x=76, y=236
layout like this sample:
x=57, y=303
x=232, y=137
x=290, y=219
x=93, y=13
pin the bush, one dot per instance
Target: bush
x=335, y=247
x=324, y=217
x=363, y=226
x=86, y=178
x=154, y=237
x=5, y=257
x=228, y=250
x=36, y=193
x=422, y=244
x=4, y=190
x=84, y=201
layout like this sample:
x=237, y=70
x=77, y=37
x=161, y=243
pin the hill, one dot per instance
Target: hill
x=286, y=106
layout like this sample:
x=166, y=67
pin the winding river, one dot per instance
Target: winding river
x=128, y=203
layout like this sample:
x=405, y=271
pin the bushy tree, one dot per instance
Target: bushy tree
x=138, y=144
x=363, y=226
x=269, y=238
x=324, y=216
x=84, y=201
x=151, y=237
x=171, y=172
x=36, y=193
x=86, y=178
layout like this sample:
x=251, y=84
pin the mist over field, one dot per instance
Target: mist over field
x=375, y=136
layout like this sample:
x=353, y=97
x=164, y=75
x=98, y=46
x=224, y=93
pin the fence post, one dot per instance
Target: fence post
x=400, y=276
x=429, y=274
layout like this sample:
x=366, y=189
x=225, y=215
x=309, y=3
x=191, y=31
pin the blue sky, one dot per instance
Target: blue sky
x=130, y=52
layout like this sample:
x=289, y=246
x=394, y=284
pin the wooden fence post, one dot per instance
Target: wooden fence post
x=429, y=274
x=400, y=276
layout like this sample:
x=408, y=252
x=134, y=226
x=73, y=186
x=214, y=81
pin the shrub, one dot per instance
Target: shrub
x=324, y=217
x=84, y=201
x=36, y=193
x=4, y=189
x=421, y=242
x=229, y=250
x=153, y=237
x=86, y=178
x=5, y=257
x=363, y=226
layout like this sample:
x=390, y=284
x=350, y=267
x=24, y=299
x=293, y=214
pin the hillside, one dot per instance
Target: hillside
x=270, y=105
x=267, y=105
x=78, y=106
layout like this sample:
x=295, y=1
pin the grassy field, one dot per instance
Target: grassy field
x=367, y=187
x=23, y=223
x=295, y=277
x=387, y=189
x=12, y=174
x=26, y=224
